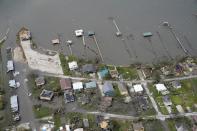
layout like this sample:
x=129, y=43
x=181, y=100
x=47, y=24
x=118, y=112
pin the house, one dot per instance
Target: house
x=180, y=109
x=108, y=89
x=88, y=68
x=138, y=88
x=68, y=96
x=77, y=86
x=113, y=72
x=162, y=88
x=167, y=101
x=104, y=124
x=147, y=72
x=24, y=35
x=85, y=122
x=65, y=84
x=142, y=102
x=10, y=65
x=90, y=85
x=79, y=33
x=103, y=73
x=40, y=81
x=122, y=88
x=46, y=95
x=138, y=126
x=78, y=129
x=73, y=65
x=176, y=84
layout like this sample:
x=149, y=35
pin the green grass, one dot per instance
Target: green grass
x=42, y=111
x=153, y=125
x=1, y=102
x=176, y=100
x=116, y=91
x=52, y=83
x=128, y=72
x=64, y=64
x=74, y=118
x=161, y=105
x=57, y=121
x=121, y=125
x=171, y=124
x=92, y=123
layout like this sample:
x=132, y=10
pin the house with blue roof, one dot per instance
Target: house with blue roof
x=108, y=89
x=90, y=85
x=103, y=73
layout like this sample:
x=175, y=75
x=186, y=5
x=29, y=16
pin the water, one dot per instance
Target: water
x=49, y=18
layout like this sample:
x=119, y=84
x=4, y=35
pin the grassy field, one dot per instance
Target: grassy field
x=128, y=73
x=121, y=125
x=51, y=83
x=42, y=111
x=186, y=95
x=57, y=121
x=161, y=105
x=153, y=125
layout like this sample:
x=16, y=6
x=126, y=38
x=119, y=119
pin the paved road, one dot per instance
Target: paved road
x=25, y=103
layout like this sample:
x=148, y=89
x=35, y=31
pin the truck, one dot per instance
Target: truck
x=14, y=103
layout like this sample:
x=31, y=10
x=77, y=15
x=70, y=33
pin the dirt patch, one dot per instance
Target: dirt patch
x=18, y=55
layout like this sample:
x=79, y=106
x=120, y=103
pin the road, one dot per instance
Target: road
x=25, y=103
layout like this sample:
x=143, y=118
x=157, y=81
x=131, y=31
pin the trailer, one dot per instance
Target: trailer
x=10, y=65
x=14, y=103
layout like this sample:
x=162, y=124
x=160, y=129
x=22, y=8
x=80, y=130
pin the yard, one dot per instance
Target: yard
x=51, y=83
x=128, y=73
x=41, y=111
x=180, y=121
x=121, y=125
x=186, y=95
x=153, y=125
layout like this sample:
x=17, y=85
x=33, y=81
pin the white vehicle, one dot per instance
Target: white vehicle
x=10, y=65
x=14, y=84
x=14, y=103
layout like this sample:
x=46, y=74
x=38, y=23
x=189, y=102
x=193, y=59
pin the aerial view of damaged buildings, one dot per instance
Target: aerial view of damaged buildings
x=158, y=92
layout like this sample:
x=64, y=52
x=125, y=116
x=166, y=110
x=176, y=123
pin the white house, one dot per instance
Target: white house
x=162, y=89
x=73, y=65
x=138, y=88
x=79, y=33
x=77, y=86
x=56, y=41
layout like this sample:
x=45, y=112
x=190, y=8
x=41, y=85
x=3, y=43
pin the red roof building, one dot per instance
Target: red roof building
x=65, y=84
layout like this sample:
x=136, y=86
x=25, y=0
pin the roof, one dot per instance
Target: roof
x=147, y=34
x=91, y=84
x=40, y=81
x=12, y=83
x=122, y=88
x=65, y=84
x=138, y=88
x=10, y=65
x=176, y=84
x=79, y=129
x=161, y=87
x=72, y=65
x=46, y=94
x=25, y=35
x=56, y=41
x=102, y=73
x=85, y=122
x=108, y=89
x=88, y=68
x=77, y=85
x=138, y=126
x=180, y=108
x=104, y=124
x=166, y=99
x=14, y=102
x=79, y=33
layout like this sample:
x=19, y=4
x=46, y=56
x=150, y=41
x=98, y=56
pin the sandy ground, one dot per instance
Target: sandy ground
x=41, y=62
x=18, y=55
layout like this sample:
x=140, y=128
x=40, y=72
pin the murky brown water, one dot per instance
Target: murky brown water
x=49, y=18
